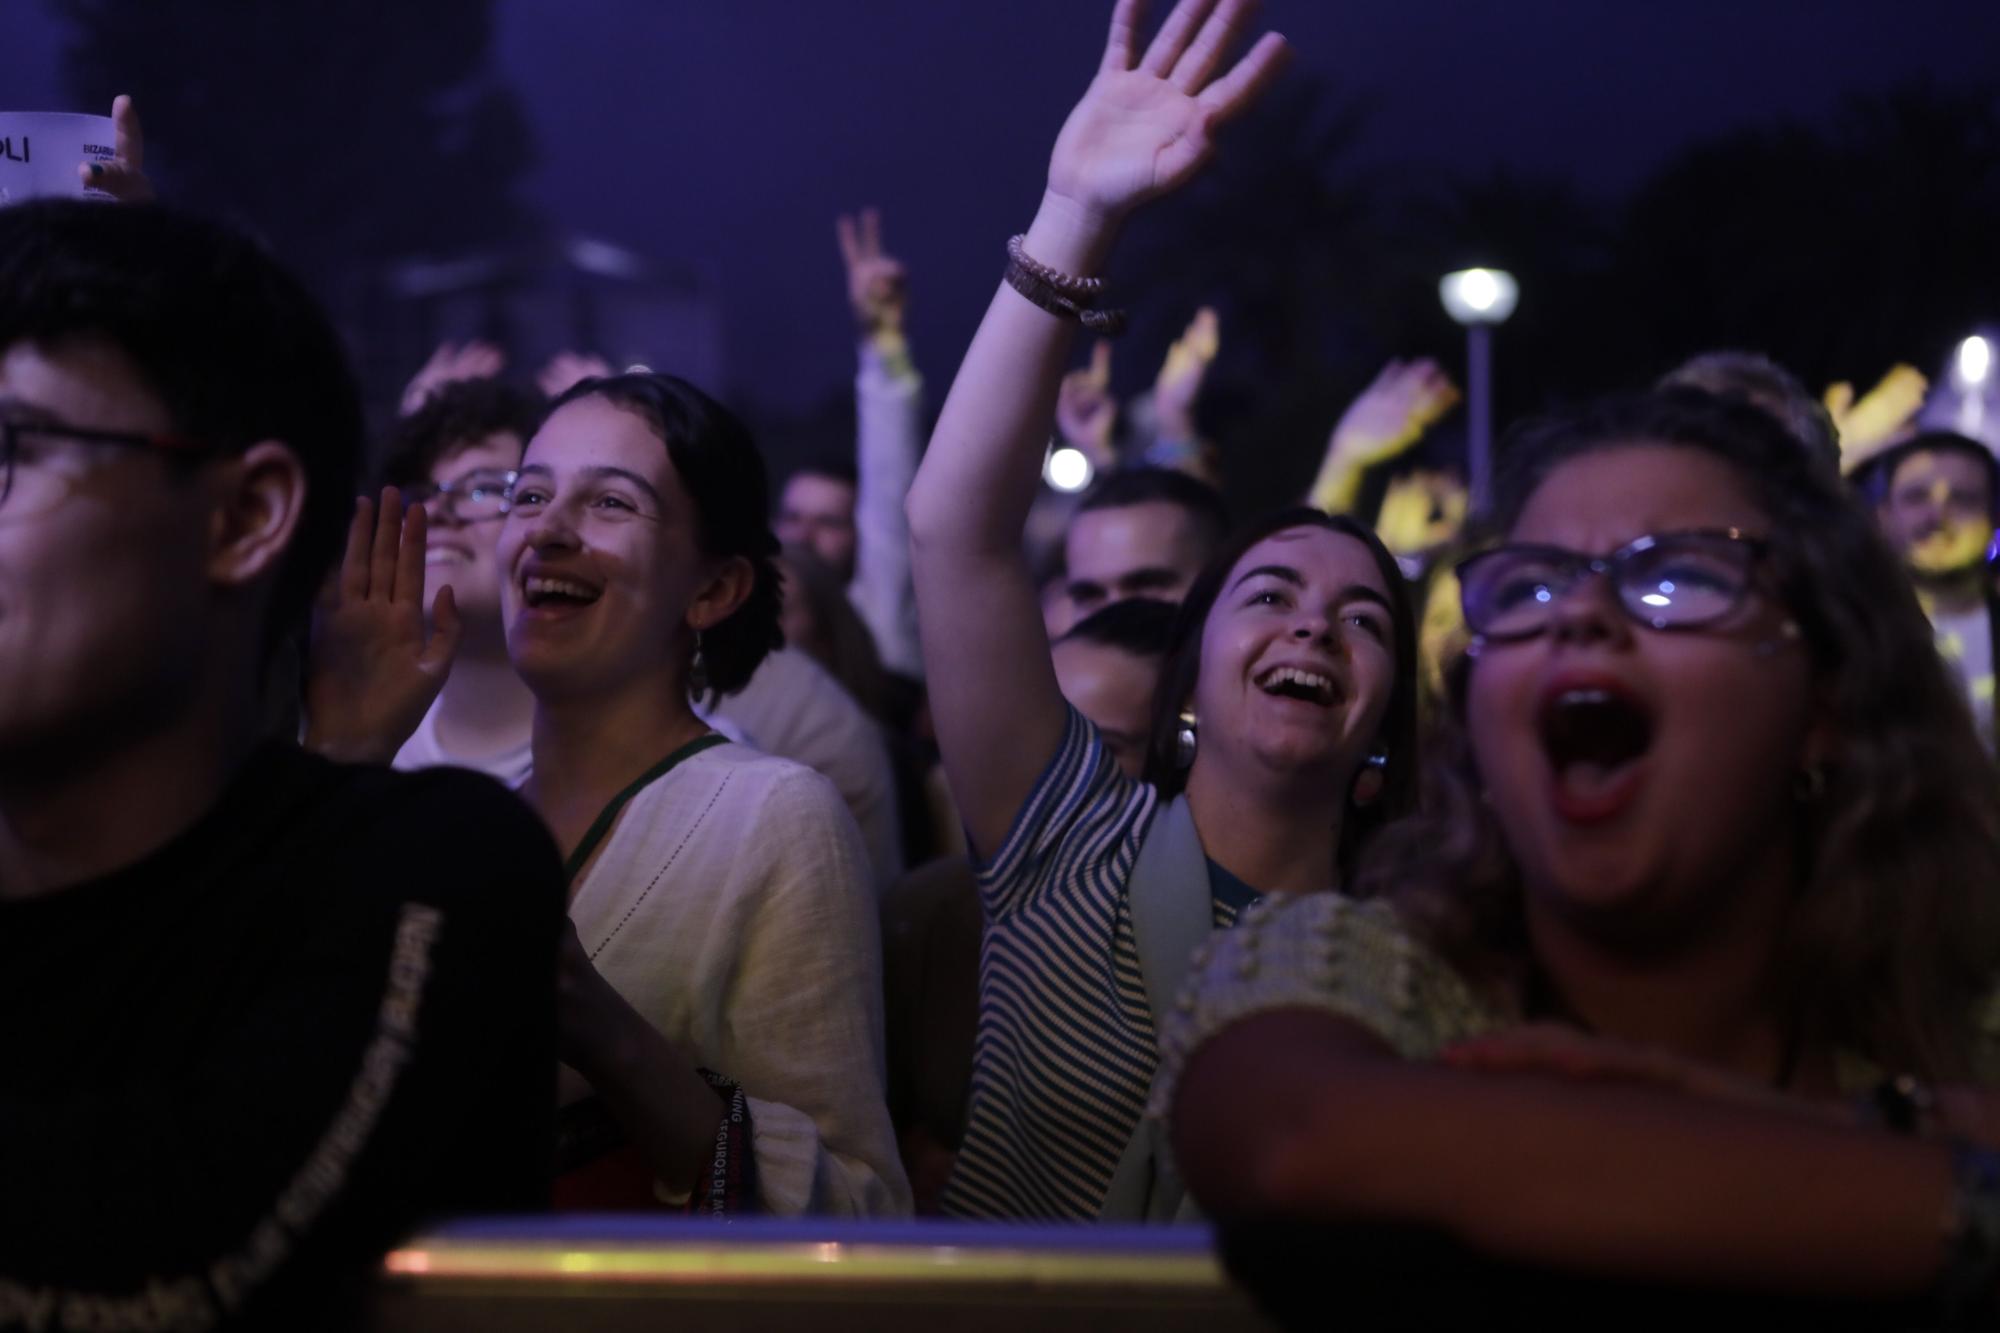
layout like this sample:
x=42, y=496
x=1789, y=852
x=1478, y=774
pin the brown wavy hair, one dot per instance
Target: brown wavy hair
x=1893, y=939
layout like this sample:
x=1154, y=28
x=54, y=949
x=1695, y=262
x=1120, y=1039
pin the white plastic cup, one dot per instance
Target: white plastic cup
x=40, y=150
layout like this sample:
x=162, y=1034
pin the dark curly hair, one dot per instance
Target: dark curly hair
x=458, y=414
x=1182, y=669
x=723, y=473
x=1893, y=939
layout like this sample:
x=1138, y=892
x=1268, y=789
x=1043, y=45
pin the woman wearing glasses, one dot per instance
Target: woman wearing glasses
x=1681, y=977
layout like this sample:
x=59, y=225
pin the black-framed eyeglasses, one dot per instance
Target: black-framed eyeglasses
x=42, y=461
x=1665, y=581
x=472, y=498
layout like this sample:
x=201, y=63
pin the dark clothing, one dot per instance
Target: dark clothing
x=236, y=1073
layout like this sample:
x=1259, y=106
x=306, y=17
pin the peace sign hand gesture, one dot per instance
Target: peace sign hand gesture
x=1146, y=123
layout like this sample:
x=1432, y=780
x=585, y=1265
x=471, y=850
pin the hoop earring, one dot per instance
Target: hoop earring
x=1372, y=778
x=1187, y=736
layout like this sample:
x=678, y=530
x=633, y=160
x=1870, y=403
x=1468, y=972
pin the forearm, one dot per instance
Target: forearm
x=1337, y=488
x=980, y=474
x=1608, y=1180
x=652, y=1090
x=888, y=402
x=993, y=692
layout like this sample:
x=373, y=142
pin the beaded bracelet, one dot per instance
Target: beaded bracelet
x=1063, y=295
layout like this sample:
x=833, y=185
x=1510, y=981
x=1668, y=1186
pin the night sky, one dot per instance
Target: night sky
x=726, y=136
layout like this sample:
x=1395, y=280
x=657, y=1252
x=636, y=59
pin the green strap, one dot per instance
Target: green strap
x=602, y=826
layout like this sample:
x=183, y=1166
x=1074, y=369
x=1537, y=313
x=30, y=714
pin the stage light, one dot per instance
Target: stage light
x=1974, y=362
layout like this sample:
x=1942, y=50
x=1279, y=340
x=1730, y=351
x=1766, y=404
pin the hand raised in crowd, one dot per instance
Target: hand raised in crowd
x=877, y=282
x=1086, y=412
x=1421, y=511
x=567, y=369
x=1178, y=387
x=1405, y=399
x=473, y=360
x=1390, y=415
x=124, y=176
x=1884, y=416
x=373, y=669
x=1146, y=123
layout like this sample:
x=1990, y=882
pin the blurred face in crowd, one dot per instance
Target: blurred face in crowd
x=1297, y=659
x=465, y=520
x=1641, y=776
x=105, y=558
x=1154, y=549
x=817, y=512
x=1938, y=513
x=603, y=581
x=1114, y=689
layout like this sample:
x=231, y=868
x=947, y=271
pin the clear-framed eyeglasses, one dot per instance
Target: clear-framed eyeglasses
x=473, y=498
x=42, y=462
x=1664, y=581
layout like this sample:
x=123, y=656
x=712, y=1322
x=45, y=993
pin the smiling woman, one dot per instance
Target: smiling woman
x=725, y=937
x=1286, y=707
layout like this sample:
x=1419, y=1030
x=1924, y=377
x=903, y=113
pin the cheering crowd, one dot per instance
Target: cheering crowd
x=1602, y=883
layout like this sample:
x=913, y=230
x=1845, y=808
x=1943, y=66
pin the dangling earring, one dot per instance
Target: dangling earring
x=1186, y=737
x=1372, y=778
x=697, y=670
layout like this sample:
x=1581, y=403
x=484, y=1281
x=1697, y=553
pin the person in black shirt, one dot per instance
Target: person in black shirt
x=260, y=1014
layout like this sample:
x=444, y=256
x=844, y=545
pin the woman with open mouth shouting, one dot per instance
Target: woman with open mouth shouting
x=1684, y=975
x=723, y=909
x=1286, y=715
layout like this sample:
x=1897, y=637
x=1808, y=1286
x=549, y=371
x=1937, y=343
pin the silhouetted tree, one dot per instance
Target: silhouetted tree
x=345, y=131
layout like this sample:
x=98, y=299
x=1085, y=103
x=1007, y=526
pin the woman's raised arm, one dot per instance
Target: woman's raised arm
x=1144, y=127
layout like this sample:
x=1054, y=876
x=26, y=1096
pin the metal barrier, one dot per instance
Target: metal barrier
x=592, y=1273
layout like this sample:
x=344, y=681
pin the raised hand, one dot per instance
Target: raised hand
x=1146, y=124
x=473, y=360
x=877, y=283
x=566, y=370
x=372, y=671
x=1393, y=412
x=1884, y=416
x=1178, y=388
x=124, y=176
x=1085, y=410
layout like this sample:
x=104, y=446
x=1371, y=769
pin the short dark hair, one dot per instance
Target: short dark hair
x=230, y=342
x=1182, y=670
x=1141, y=626
x=1756, y=380
x=458, y=414
x=1879, y=476
x=1148, y=485
x=722, y=472
x=832, y=468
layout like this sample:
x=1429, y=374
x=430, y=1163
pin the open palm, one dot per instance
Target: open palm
x=1147, y=124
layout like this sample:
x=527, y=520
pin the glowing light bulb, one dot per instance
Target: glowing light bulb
x=1975, y=360
x=1067, y=470
x=1479, y=295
